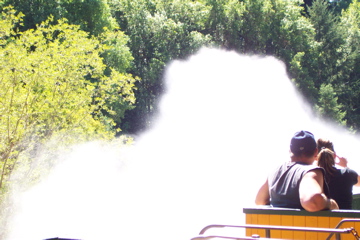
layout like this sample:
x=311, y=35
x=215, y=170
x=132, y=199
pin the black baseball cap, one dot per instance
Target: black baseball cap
x=302, y=142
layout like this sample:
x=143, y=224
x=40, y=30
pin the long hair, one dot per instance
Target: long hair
x=326, y=160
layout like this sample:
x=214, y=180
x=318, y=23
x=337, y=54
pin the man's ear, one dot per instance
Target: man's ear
x=316, y=153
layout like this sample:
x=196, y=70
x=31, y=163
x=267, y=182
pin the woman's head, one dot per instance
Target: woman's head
x=325, y=143
x=326, y=160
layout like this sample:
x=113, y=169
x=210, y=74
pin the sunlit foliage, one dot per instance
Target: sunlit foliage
x=53, y=84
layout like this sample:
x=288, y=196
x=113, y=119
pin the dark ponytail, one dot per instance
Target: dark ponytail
x=326, y=160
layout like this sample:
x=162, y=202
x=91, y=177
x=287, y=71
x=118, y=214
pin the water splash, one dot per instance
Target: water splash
x=225, y=120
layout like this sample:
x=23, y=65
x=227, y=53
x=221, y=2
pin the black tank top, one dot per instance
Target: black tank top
x=284, y=184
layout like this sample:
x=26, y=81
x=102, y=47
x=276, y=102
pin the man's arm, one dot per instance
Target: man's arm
x=358, y=182
x=263, y=196
x=311, y=193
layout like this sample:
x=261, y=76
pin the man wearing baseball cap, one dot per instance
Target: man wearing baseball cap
x=298, y=183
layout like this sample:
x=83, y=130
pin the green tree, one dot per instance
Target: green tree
x=350, y=94
x=159, y=31
x=332, y=60
x=91, y=15
x=53, y=84
x=254, y=23
x=216, y=21
x=340, y=5
x=36, y=11
x=225, y=22
x=330, y=54
x=328, y=106
x=94, y=17
x=297, y=43
x=271, y=27
x=234, y=11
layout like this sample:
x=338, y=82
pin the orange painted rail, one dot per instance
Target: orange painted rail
x=296, y=218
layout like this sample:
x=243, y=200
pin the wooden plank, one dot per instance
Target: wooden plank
x=275, y=220
x=311, y=221
x=323, y=222
x=333, y=222
x=254, y=220
x=299, y=221
x=287, y=220
x=263, y=220
x=248, y=220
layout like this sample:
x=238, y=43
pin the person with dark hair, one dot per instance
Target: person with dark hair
x=325, y=143
x=339, y=180
x=298, y=183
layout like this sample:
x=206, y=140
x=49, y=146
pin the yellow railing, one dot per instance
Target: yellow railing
x=300, y=218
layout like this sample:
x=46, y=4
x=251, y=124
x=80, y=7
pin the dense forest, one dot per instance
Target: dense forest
x=78, y=70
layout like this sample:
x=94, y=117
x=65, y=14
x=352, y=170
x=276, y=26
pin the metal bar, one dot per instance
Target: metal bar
x=270, y=227
x=340, y=223
x=202, y=237
x=267, y=233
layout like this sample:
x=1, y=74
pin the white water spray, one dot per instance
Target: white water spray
x=225, y=120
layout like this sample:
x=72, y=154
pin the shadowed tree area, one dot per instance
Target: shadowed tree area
x=311, y=37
